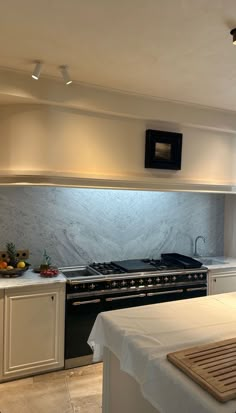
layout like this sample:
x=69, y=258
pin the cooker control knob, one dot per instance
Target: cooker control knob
x=123, y=283
x=174, y=278
x=114, y=284
x=132, y=282
x=158, y=280
x=189, y=277
x=166, y=279
x=141, y=281
x=149, y=280
x=92, y=286
x=201, y=276
x=195, y=276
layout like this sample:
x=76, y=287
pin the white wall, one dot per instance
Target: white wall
x=40, y=138
x=230, y=226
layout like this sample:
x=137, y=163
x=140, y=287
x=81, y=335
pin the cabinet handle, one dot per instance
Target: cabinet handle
x=126, y=297
x=52, y=297
x=86, y=302
x=165, y=292
x=214, y=280
x=196, y=289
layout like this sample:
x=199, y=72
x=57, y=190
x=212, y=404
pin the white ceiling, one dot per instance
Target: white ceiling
x=173, y=49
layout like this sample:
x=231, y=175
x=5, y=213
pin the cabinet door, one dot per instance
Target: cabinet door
x=222, y=284
x=1, y=331
x=33, y=331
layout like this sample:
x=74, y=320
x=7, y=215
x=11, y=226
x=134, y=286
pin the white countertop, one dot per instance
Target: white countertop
x=30, y=278
x=142, y=336
x=228, y=263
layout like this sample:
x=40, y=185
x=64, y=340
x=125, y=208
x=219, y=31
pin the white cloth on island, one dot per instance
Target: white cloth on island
x=140, y=337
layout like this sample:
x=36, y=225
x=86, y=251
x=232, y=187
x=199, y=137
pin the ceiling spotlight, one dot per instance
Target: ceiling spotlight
x=233, y=32
x=65, y=74
x=37, y=70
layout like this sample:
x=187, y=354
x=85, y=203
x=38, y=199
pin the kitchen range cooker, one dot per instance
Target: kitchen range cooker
x=122, y=284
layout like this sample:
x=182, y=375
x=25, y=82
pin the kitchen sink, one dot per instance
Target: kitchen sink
x=80, y=271
x=211, y=261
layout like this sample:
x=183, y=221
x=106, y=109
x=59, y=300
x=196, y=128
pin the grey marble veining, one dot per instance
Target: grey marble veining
x=78, y=226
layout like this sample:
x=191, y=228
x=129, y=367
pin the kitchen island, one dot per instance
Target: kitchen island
x=134, y=342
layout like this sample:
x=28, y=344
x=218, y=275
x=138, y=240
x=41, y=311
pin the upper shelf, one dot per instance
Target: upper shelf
x=111, y=183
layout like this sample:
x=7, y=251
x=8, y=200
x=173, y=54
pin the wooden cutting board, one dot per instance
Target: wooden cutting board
x=213, y=366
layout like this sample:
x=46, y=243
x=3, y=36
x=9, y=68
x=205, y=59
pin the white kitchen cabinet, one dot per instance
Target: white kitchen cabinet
x=221, y=281
x=33, y=330
x=1, y=332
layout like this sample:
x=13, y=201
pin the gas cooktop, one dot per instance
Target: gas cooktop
x=166, y=263
x=130, y=266
x=173, y=270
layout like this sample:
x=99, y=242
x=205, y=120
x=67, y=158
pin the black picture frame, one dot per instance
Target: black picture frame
x=163, y=149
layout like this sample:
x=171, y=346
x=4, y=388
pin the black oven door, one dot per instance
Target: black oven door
x=153, y=296
x=125, y=300
x=81, y=314
x=176, y=293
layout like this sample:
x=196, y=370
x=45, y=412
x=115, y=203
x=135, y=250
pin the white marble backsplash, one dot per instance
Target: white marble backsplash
x=78, y=226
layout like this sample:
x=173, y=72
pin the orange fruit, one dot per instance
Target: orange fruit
x=3, y=264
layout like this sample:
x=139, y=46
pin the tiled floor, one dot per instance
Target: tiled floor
x=67, y=391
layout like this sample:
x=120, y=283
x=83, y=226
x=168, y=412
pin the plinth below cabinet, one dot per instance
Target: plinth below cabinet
x=33, y=330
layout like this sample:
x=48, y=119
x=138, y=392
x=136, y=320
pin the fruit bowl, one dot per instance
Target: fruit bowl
x=15, y=272
x=49, y=272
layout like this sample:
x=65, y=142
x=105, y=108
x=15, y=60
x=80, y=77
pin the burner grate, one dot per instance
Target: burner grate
x=106, y=268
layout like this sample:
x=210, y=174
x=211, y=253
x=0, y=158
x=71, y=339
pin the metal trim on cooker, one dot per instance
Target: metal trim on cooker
x=135, y=289
x=86, y=279
x=128, y=276
x=162, y=272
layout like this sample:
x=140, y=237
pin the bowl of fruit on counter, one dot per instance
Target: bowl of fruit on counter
x=10, y=264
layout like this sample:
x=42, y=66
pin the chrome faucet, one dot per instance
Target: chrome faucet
x=195, y=254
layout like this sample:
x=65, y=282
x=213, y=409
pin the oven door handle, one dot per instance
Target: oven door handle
x=86, y=302
x=126, y=297
x=165, y=292
x=196, y=289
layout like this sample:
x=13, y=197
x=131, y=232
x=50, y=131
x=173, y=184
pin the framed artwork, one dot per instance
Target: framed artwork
x=163, y=149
